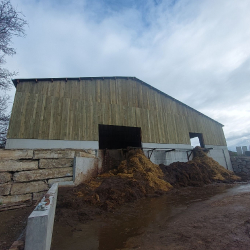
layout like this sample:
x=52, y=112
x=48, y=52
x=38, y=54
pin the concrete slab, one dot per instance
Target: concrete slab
x=41, y=221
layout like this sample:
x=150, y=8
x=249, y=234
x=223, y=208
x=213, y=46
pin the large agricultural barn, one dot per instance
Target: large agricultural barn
x=110, y=113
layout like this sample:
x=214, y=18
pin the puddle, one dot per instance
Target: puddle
x=114, y=230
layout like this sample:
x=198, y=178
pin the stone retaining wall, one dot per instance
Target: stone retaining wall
x=25, y=175
x=241, y=166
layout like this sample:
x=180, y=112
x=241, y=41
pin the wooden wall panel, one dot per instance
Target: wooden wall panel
x=72, y=110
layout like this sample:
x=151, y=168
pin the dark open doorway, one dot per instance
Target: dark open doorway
x=196, y=139
x=118, y=137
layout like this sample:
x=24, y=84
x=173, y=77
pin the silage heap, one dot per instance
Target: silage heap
x=201, y=170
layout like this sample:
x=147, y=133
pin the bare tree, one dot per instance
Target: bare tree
x=4, y=120
x=12, y=24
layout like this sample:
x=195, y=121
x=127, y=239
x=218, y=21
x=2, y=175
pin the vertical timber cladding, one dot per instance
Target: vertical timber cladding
x=71, y=109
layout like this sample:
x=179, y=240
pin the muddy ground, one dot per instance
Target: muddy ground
x=212, y=217
x=222, y=222
x=12, y=225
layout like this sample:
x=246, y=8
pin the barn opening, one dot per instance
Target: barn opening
x=119, y=137
x=196, y=139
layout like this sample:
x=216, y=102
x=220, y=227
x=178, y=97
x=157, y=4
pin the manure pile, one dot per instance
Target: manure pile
x=201, y=170
x=135, y=178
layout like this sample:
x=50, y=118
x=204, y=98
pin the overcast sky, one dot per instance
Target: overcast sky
x=197, y=51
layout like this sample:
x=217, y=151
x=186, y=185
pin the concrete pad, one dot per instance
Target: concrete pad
x=40, y=222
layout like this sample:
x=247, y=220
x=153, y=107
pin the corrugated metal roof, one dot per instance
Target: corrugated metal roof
x=16, y=81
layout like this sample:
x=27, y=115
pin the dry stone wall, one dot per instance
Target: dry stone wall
x=25, y=175
x=241, y=166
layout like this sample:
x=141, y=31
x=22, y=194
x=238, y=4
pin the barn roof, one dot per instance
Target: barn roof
x=16, y=81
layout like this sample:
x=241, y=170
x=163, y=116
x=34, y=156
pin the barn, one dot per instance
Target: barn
x=110, y=113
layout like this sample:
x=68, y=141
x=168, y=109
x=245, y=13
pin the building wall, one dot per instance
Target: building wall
x=71, y=110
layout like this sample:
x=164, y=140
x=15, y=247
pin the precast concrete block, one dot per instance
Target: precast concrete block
x=41, y=221
x=84, y=168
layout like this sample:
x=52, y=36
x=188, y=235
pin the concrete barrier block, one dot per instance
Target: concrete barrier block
x=5, y=177
x=42, y=174
x=55, y=163
x=5, y=189
x=84, y=168
x=30, y=187
x=15, y=198
x=52, y=154
x=13, y=165
x=41, y=221
x=15, y=154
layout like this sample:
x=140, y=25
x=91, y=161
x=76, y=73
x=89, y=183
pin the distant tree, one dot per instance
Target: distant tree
x=12, y=24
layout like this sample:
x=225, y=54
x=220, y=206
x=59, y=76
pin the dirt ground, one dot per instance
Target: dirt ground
x=220, y=223
x=13, y=223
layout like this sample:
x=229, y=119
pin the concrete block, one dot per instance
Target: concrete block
x=84, y=168
x=239, y=150
x=52, y=154
x=15, y=198
x=12, y=165
x=52, y=181
x=42, y=174
x=15, y=154
x=5, y=177
x=40, y=223
x=5, y=189
x=30, y=187
x=55, y=163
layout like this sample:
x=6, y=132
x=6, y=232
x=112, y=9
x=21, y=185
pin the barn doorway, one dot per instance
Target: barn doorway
x=196, y=139
x=119, y=137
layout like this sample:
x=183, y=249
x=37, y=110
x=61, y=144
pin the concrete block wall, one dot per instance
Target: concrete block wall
x=25, y=175
x=241, y=166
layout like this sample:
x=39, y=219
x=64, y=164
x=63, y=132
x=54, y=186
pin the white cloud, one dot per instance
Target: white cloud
x=196, y=51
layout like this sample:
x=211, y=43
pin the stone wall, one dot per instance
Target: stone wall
x=241, y=166
x=25, y=175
